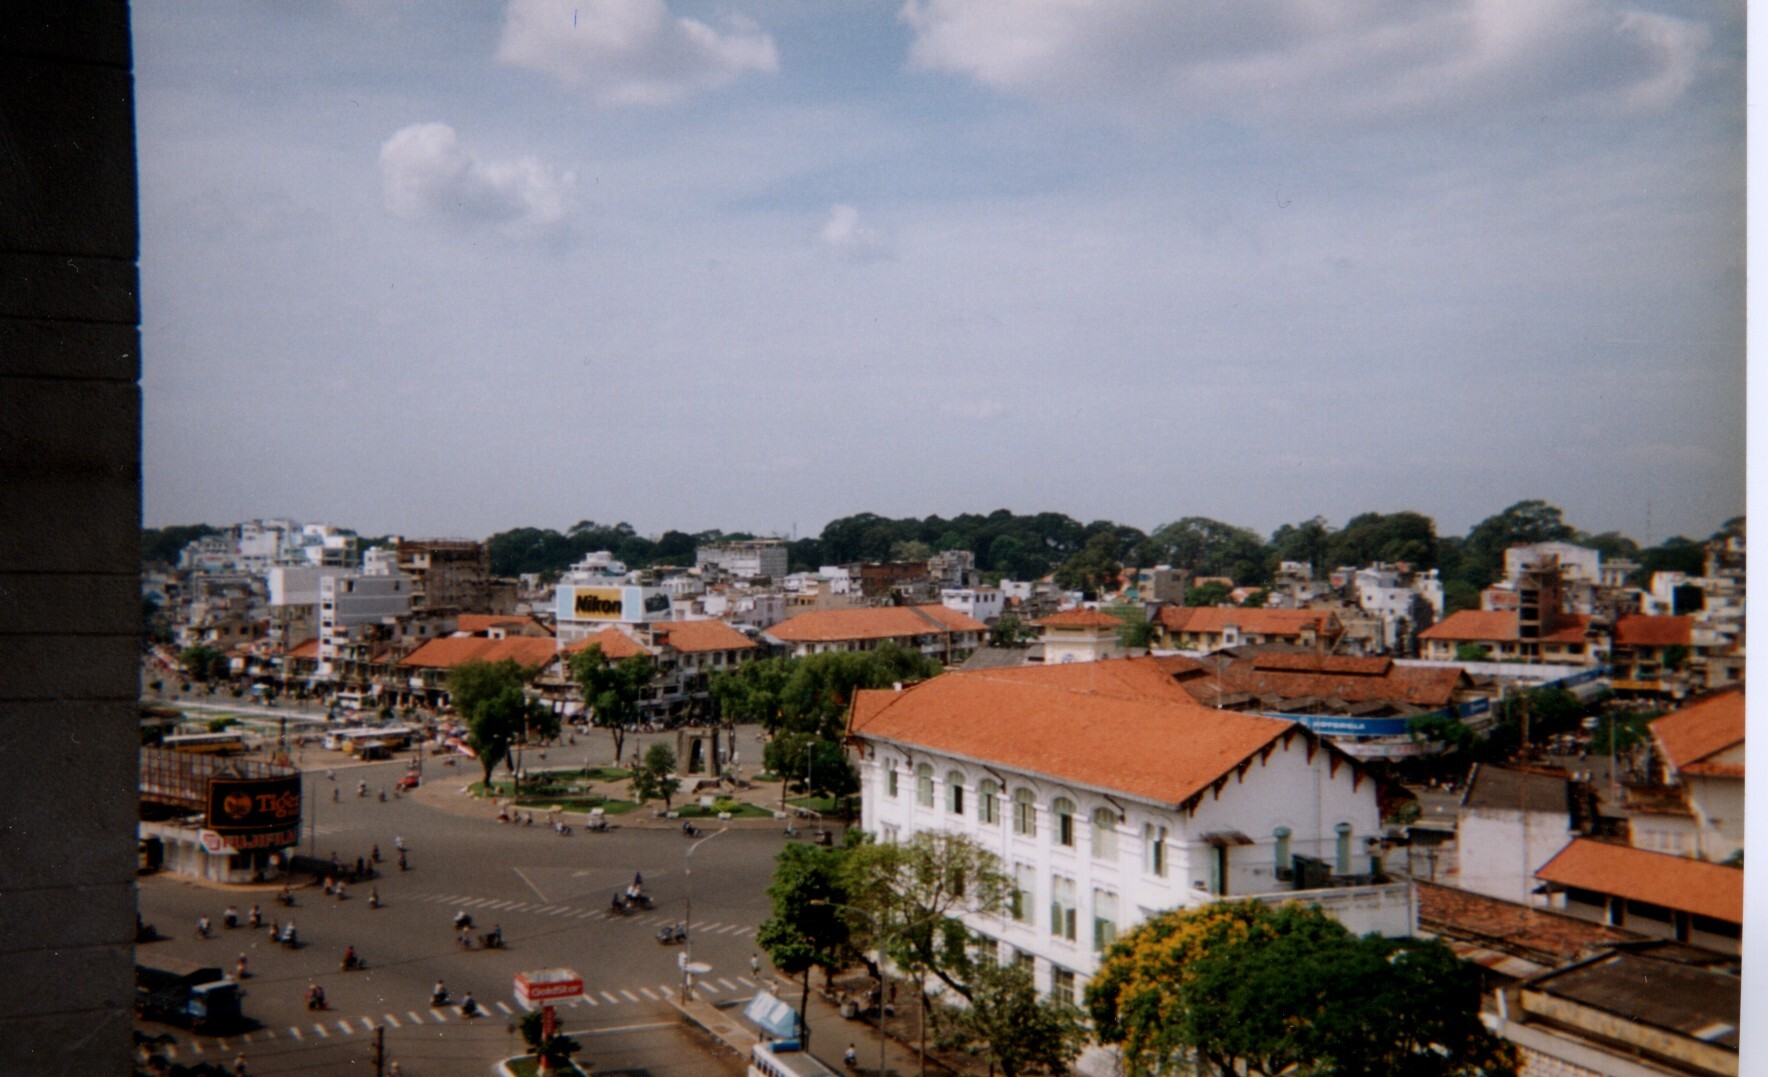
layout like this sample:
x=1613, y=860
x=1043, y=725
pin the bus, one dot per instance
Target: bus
x=370, y=742
x=782, y=1058
x=224, y=743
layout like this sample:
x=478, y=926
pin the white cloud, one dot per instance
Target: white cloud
x=1297, y=61
x=630, y=52
x=851, y=238
x=428, y=175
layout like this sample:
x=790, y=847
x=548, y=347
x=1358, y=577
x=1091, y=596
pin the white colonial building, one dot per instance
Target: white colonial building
x=1109, y=794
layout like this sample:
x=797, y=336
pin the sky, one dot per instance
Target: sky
x=452, y=268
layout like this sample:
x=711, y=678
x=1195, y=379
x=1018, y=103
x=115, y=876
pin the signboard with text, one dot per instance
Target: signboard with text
x=619, y=603
x=254, y=805
x=546, y=985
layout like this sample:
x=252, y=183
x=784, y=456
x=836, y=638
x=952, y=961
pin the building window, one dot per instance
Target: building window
x=1281, y=838
x=890, y=778
x=1062, y=911
x=1104, y=834
x=954, y=793
x=1342, y=863
x=988, y=795
x=1061, y=986
x=1024, y=892
x=1024, y=813
x=1104, y=920
x=1063, y=809
x=1154, y=850
x=924, y=785
x=1026, y=961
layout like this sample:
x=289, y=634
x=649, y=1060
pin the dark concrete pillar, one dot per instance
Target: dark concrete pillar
x=70, y=517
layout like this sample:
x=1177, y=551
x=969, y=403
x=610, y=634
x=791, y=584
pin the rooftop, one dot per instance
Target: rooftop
x=450, y=651
x=1673, y=882
x=880, y=622
x=1690, y=735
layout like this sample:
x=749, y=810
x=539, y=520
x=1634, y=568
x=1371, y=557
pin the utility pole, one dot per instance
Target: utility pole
x=380, y=1050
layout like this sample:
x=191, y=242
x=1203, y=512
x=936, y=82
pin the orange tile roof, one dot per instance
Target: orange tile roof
x=1213, y=619
x=1675, y=882
x=880, y=622
x=477, y=623
x=450, y=651
x=1297, y=662
x=1641, y=630
x=1553, y=935
x=697, y=636
x=1347, y=679
x=1474, y=625
x=1080, y=617
x=615, y=644
x=308, y=648
x=1118, y=725
x=1699, y=730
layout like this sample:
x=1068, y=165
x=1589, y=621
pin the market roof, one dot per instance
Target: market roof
x=615, y=645
x=1691, y=735
x=877, y=622
x=1674, y=882
x=450, y=651
x=1262, y=622
x=699, y=636
x=1120, y=725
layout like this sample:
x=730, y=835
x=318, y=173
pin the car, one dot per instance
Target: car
x=408, y=781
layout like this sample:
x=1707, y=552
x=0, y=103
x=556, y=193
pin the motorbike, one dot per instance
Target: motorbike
x=286, y=899
x=439, y=998
x=642, y=901
x=689, y=830
x=352, y=963
x=620, y=906
x=671, y=935
x=316, y=999
x=463, y=922
x=597, y=824
x=491, y=940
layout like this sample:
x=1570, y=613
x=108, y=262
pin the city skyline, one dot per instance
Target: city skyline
x=450, y=270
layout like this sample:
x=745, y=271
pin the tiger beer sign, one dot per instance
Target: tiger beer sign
x=254, y=805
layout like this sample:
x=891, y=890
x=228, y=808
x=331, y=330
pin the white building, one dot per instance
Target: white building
x=1577, y=564
x=985, y=604
x=1109, y=794
x=1407, y=603
x=1511, y=822
x=745, y=560
x=1702, y=751
x=353, y=601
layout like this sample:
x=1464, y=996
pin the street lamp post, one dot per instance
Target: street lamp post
x=687, y=927
x=883, y=946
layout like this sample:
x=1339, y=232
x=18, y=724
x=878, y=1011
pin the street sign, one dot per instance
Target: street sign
x=547, y=985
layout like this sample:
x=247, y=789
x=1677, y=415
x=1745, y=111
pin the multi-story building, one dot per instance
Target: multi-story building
x=1499, y=636
x=936, y=631
x=351, y=603
x=985, y=604
x=1109, y=794
x=1406, y=602
x=446, y=573
x=744, y=560
x=1081, y=635
x=1699, y=811
x=1211, y=628
x=953, y=568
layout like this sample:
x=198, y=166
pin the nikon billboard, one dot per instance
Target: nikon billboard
x=620, y=603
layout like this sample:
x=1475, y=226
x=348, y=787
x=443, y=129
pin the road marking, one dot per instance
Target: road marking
x=627, y=1028
x=415, y=1019
x=440, y=1015
x=322, y=1032
x=344, y=1027
x=171, y=1050
x=477, y=902
x=585, y=998
x=747, y=982
x=391, y=1020
x=504, y=1006
x=728, y=986
x=610, y=998
x=646, y=992
x=367, y=1025
x=630, y=997
x=197, y=1046
x=295, y=1032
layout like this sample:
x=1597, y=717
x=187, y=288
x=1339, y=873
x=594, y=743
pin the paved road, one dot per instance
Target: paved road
x=550, y=895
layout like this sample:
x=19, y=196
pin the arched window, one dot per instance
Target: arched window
x=1104, y=834
x=954, y=793
x=890, y=776
x=1281, y=836
x=1343, y=864
x=1025, y=813
x=1063, y=809
x=988, y=799
x=924, y=785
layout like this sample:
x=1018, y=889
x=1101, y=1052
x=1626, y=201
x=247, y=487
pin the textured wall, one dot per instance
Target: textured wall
x=70, y=516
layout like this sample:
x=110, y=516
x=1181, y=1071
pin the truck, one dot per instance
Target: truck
x=198, y=997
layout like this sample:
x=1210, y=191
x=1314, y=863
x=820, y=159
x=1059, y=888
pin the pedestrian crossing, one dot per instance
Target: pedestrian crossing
x=341, y=1028
x=485, y=904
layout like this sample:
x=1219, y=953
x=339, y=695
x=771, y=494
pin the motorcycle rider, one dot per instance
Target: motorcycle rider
x=438, y=994
x=350, y=959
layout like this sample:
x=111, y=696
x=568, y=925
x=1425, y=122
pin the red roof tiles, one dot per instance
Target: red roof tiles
x=1674, y=882
x=1119, y=725
x=882, y=622
x=450, y=651
x=615, y=644
x=1214, y=619
x=1640, y=630
x=1080, y=617
x=1475, y=626
x=1688, y=736
x=698, y=636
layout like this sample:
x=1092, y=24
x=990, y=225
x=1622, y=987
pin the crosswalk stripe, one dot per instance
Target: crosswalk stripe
x=728, y=986
x=391, y=1020
x=587, y=998
x=415, y=1019
x=171, y=1050
x=344, y=1027
x=646, y=992
x=477, y=902
x=322, y=1032
x=367, y=1025
x=630, y=997
x=610, y=998
x=504, y=904
x=295, y=1032
x=747, y=982
x=585, y=914
x=504, y=1006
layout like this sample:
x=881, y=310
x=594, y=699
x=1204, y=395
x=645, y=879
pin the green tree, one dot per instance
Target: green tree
x=1010, y=631
x=655, y=776
x=1307, y=541
x=202, y=662
x=813, y=764
x=1093, y=570
x=912, y=895
x=1472, y=652
x=1211, y=548
x=752, y=692
x=1010, y=1026
x=492, y=699
x=550, y=1052
x=808, y=928
x=1244, y=988
x=1257, y=600
x=1676, y=554
x=612, y=690
x=1446, y=730
x=1373, y=536
x=1526, y=522
x=1214, y=593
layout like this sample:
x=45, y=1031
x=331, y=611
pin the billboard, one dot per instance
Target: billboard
x=254, y=805
x=617, y=603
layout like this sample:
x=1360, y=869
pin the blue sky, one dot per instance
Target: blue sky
x=452, y=268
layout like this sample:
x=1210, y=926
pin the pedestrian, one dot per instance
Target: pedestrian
x=755, y=964
x=239, y=968
x=361, y=867
x=255, y=917
x=239, y=1066
x=374, y=854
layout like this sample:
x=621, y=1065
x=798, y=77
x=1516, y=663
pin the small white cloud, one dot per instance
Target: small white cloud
x=973, y=409
x=851, y=238
x=631, y=52
x=428, y=175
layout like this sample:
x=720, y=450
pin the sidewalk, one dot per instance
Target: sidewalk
x=830, y=1033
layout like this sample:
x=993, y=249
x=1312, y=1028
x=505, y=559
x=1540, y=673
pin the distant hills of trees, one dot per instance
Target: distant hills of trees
x=1087, y=556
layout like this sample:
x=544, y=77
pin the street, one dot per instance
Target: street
x=549, y=894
